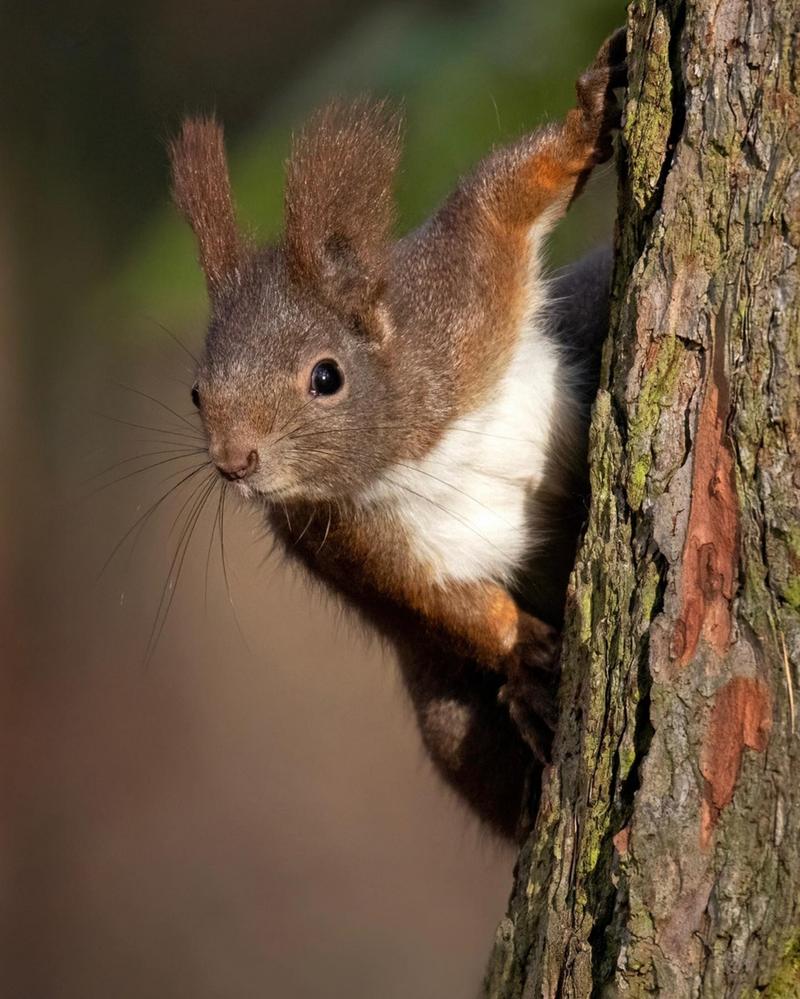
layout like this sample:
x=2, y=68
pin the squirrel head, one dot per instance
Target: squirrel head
x=300, y=383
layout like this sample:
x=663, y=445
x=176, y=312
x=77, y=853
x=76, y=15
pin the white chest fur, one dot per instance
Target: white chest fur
x=465, y=507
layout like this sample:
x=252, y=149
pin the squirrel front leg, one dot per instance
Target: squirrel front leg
x=482, y=620
x=540, y=174
x=479, y=621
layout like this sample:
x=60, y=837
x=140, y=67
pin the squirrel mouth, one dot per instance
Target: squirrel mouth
x=245, y=490
x=250, y=491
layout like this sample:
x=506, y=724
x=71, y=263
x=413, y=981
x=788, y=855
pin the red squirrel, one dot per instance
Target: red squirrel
x=412, y=414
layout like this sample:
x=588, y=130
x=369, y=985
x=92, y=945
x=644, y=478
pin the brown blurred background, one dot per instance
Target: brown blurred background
x=249, y=813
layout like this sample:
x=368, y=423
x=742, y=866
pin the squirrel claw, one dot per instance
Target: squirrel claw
x=532, y=685
x=595, y=89
x=538, y=737
x=613, y=51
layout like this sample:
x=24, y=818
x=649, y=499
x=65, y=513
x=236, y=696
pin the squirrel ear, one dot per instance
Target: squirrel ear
x=201, y=190
x=339, y=202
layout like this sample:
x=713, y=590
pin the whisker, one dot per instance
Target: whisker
x=299, y=538
x=327, y=529
x=153, y=441
x=174, y=337
x=274, y=417
x=294, y=431
x=339, y=451
x=450, y=513
x=127, y=388
x=222, y=541
x=159, y=430
x=288, y=521
x=414, y=426
x=294, y=414
x=450, y=485
x=198, y=486
x=176, y=450
x=225, y=569
x=148, y=513
x=140, y=471
x=210, y=549
x=171, y=582
x=179, y=381
x=139, y=532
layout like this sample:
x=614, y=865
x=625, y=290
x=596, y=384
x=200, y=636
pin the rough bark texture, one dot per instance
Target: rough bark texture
x=666, y=854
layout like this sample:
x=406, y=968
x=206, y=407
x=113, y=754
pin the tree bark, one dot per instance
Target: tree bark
x=665, y=859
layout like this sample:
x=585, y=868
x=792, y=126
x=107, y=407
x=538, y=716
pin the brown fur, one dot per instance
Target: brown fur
x=460, y=645
x=422, y=327
x=202, y=191
x=339, y=204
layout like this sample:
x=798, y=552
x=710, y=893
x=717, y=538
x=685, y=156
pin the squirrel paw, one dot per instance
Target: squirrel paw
x=531, y=687
x=600, y=108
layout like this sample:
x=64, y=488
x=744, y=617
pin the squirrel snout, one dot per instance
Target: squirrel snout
x=235, y=461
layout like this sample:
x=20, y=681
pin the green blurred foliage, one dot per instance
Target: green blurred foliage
x=466, y=80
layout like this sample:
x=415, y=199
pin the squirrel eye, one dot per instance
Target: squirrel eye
x=196, y=396
x=326, y=378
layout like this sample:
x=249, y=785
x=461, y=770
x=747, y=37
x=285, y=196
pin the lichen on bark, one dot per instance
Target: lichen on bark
x=666, y=854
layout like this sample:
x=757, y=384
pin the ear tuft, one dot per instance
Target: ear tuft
x=201, y=190
x=339, y=201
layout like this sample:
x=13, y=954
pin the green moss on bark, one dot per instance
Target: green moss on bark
x=641, y=877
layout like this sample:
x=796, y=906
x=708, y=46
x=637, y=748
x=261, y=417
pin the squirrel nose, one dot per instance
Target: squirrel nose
x=237, y=462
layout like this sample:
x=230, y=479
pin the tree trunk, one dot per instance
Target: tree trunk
x=666, y=854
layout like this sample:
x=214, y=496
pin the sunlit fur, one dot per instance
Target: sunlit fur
x=441, y=492
x=468, y=505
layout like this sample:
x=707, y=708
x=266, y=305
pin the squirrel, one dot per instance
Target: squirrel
x=412, y=414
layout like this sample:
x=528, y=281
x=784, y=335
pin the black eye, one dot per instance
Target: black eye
x=326, y=378
x=196, y=396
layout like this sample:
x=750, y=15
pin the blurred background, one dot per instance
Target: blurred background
x=248, y=811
